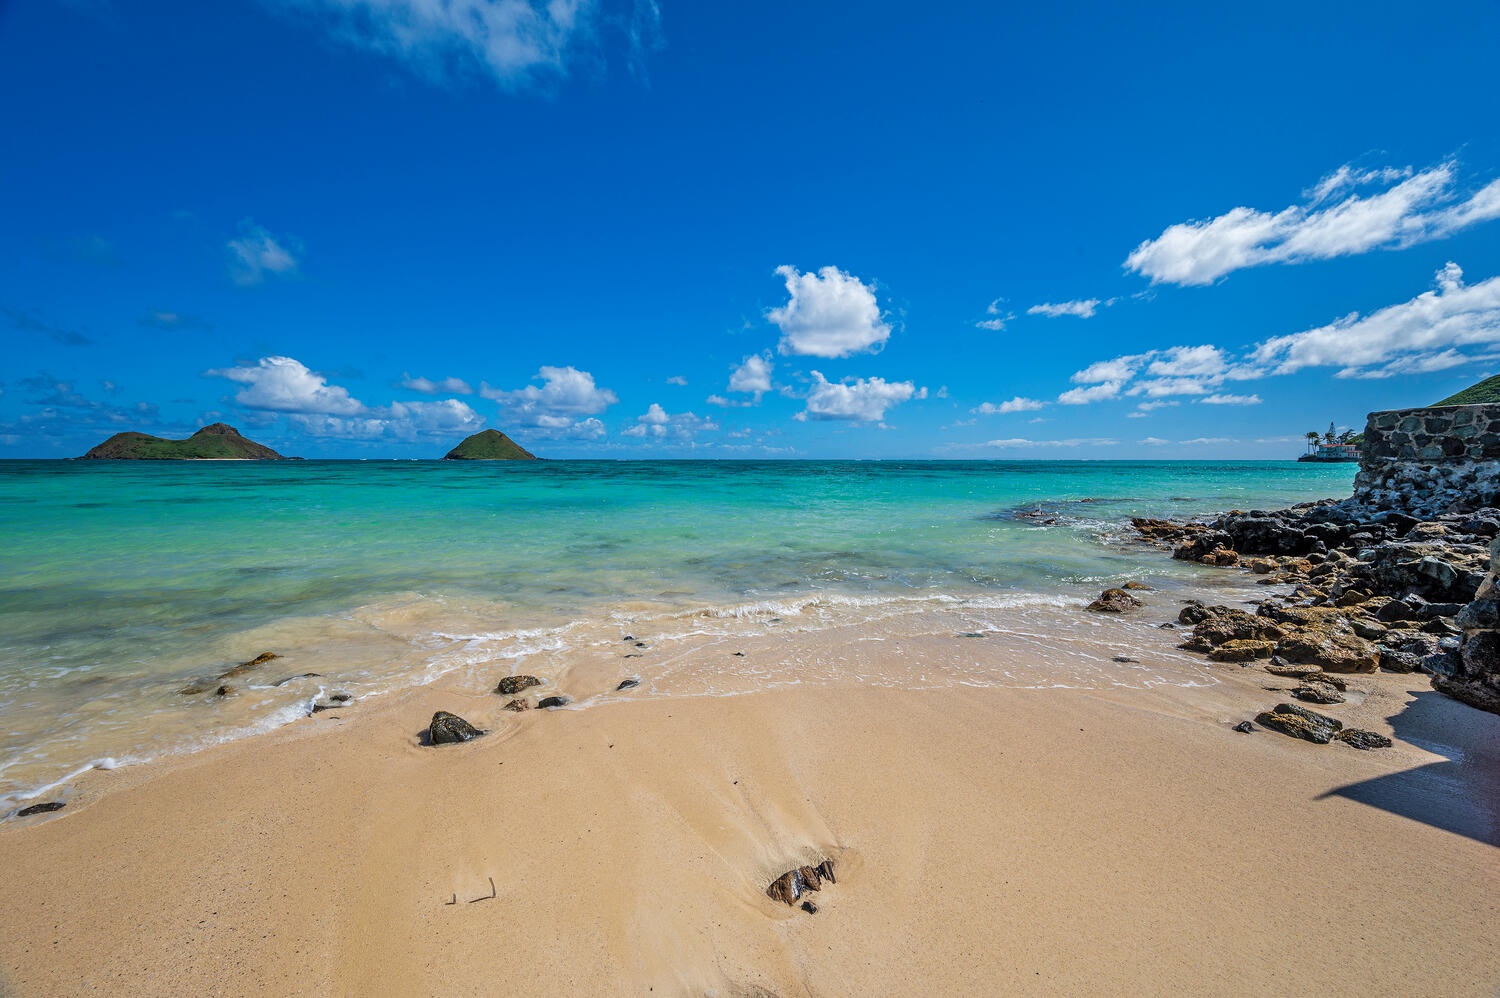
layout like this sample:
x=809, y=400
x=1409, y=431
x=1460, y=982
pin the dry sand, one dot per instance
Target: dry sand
x=987, y=841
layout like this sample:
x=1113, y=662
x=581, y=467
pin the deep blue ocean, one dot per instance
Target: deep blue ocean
x=124, y=582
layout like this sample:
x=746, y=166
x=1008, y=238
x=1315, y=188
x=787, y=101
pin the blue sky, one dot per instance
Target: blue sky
x=647, y=228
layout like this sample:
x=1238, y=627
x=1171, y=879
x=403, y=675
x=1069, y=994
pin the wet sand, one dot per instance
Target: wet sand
x=986, y=841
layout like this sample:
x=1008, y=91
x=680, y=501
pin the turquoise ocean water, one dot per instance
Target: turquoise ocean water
x=124, y=582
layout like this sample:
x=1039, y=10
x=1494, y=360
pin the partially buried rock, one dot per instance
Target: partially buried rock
x=627, y=684
x=1318, y=693
x=557, y=701
x=1242, y=650
x=1244, y=727
x=1363, y=739
x=244, y=667
x=515, y=684
x=447, y=729
x=520, y=703
x=1114, y=601
x=1299, y=722
x=55, y=805
x=1290, y=671
x=790, y=886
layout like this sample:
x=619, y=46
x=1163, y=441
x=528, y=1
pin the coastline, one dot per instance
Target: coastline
x=1026, y=841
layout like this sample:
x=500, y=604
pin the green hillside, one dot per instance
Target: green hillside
x=489, y=445
x=1487, y=390
x=217, y=441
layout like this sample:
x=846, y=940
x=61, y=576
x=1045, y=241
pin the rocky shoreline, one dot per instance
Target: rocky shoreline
x=1374, y=588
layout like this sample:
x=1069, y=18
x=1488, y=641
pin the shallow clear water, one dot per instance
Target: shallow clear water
x=124, y=581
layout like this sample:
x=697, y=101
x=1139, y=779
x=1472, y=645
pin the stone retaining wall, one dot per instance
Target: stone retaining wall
x=1425, y=461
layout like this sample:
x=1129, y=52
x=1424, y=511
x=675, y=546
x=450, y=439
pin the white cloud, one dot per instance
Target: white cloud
x=1411, y=336
x=657, y=423
x=1083, y=309
x=1165, y=387
x=257, y=253
x=554, y=408
x=515, y=42
x=830, y=314
x=753, y=375
x=861, y=400
x=1154, y=441
x=1221, y=399
x=1119, y=369
x=448, y=386
x=1154, y=405
x=1017, y=404
x=1421, y=207
x=998, y=317
x=1205, y=440
x=1188, y=362
x=1093, y=393
x=677, y=380
x=282, y=384
x=405, y=421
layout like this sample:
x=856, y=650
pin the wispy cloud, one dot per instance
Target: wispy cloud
x=256, y=253
x=830, y=314
x=1022, y=443
x=1224, y=399
x=1426, y=333
x=28, y=322
x=447, y=386
x=1083, y=308
x=1332, y=221
x=175, y=321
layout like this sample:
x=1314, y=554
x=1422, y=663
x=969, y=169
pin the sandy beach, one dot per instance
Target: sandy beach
x=986, y=841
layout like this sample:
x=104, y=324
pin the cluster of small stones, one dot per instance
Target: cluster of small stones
x=1419, y=460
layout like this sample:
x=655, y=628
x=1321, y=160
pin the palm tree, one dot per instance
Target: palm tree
x=1312, y=440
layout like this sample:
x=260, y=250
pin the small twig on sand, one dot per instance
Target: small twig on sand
x=487, y=897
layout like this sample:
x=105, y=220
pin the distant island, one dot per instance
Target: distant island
x=489, y=445
x=215, y=442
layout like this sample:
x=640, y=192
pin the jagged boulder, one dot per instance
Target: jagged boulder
x=447, y=729
x=1299, y=722
x=1114, y=601
x=1321, y=636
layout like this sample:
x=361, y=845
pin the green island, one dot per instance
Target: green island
x=1486, y=391
x=215, y=442
x=489, y=445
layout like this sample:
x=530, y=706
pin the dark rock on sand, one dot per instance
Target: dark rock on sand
x=1318, y=693
x=1299, y=722
x=790, y=886
x=1290, y=671
x=520, y=703
x=809, y=907
x=1242, y=650
x=223, y=691
x=55, y=805
x=447, y=729
x=1114, y=601
x=558, y=701
x=1244, y=727
x=515, y=684
x=627, y=684
x=1363, y=739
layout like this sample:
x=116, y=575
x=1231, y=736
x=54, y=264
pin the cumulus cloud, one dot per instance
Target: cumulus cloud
x=516, y=43
x=282, y=384
x=257, y=253
x=657, y=423
x=1334, y=220
x=447, y=386
x=752, y=376
x=830, y=314
x=1017, y=404
x=555, y=406
x=1091, y=393
x=1083, y=308
x=858, y=400
x=1428, y=332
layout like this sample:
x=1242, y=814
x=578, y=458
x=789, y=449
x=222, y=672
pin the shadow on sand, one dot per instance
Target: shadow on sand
x=1460, y=795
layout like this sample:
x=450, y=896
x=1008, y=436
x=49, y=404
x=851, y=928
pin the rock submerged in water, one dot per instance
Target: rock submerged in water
x=447, y=729
x=515, y=684
x=46, y=808
x=1114, y=601
x=1299, y=722
x=244, y=667
x=520, y=703
x=790, y=886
